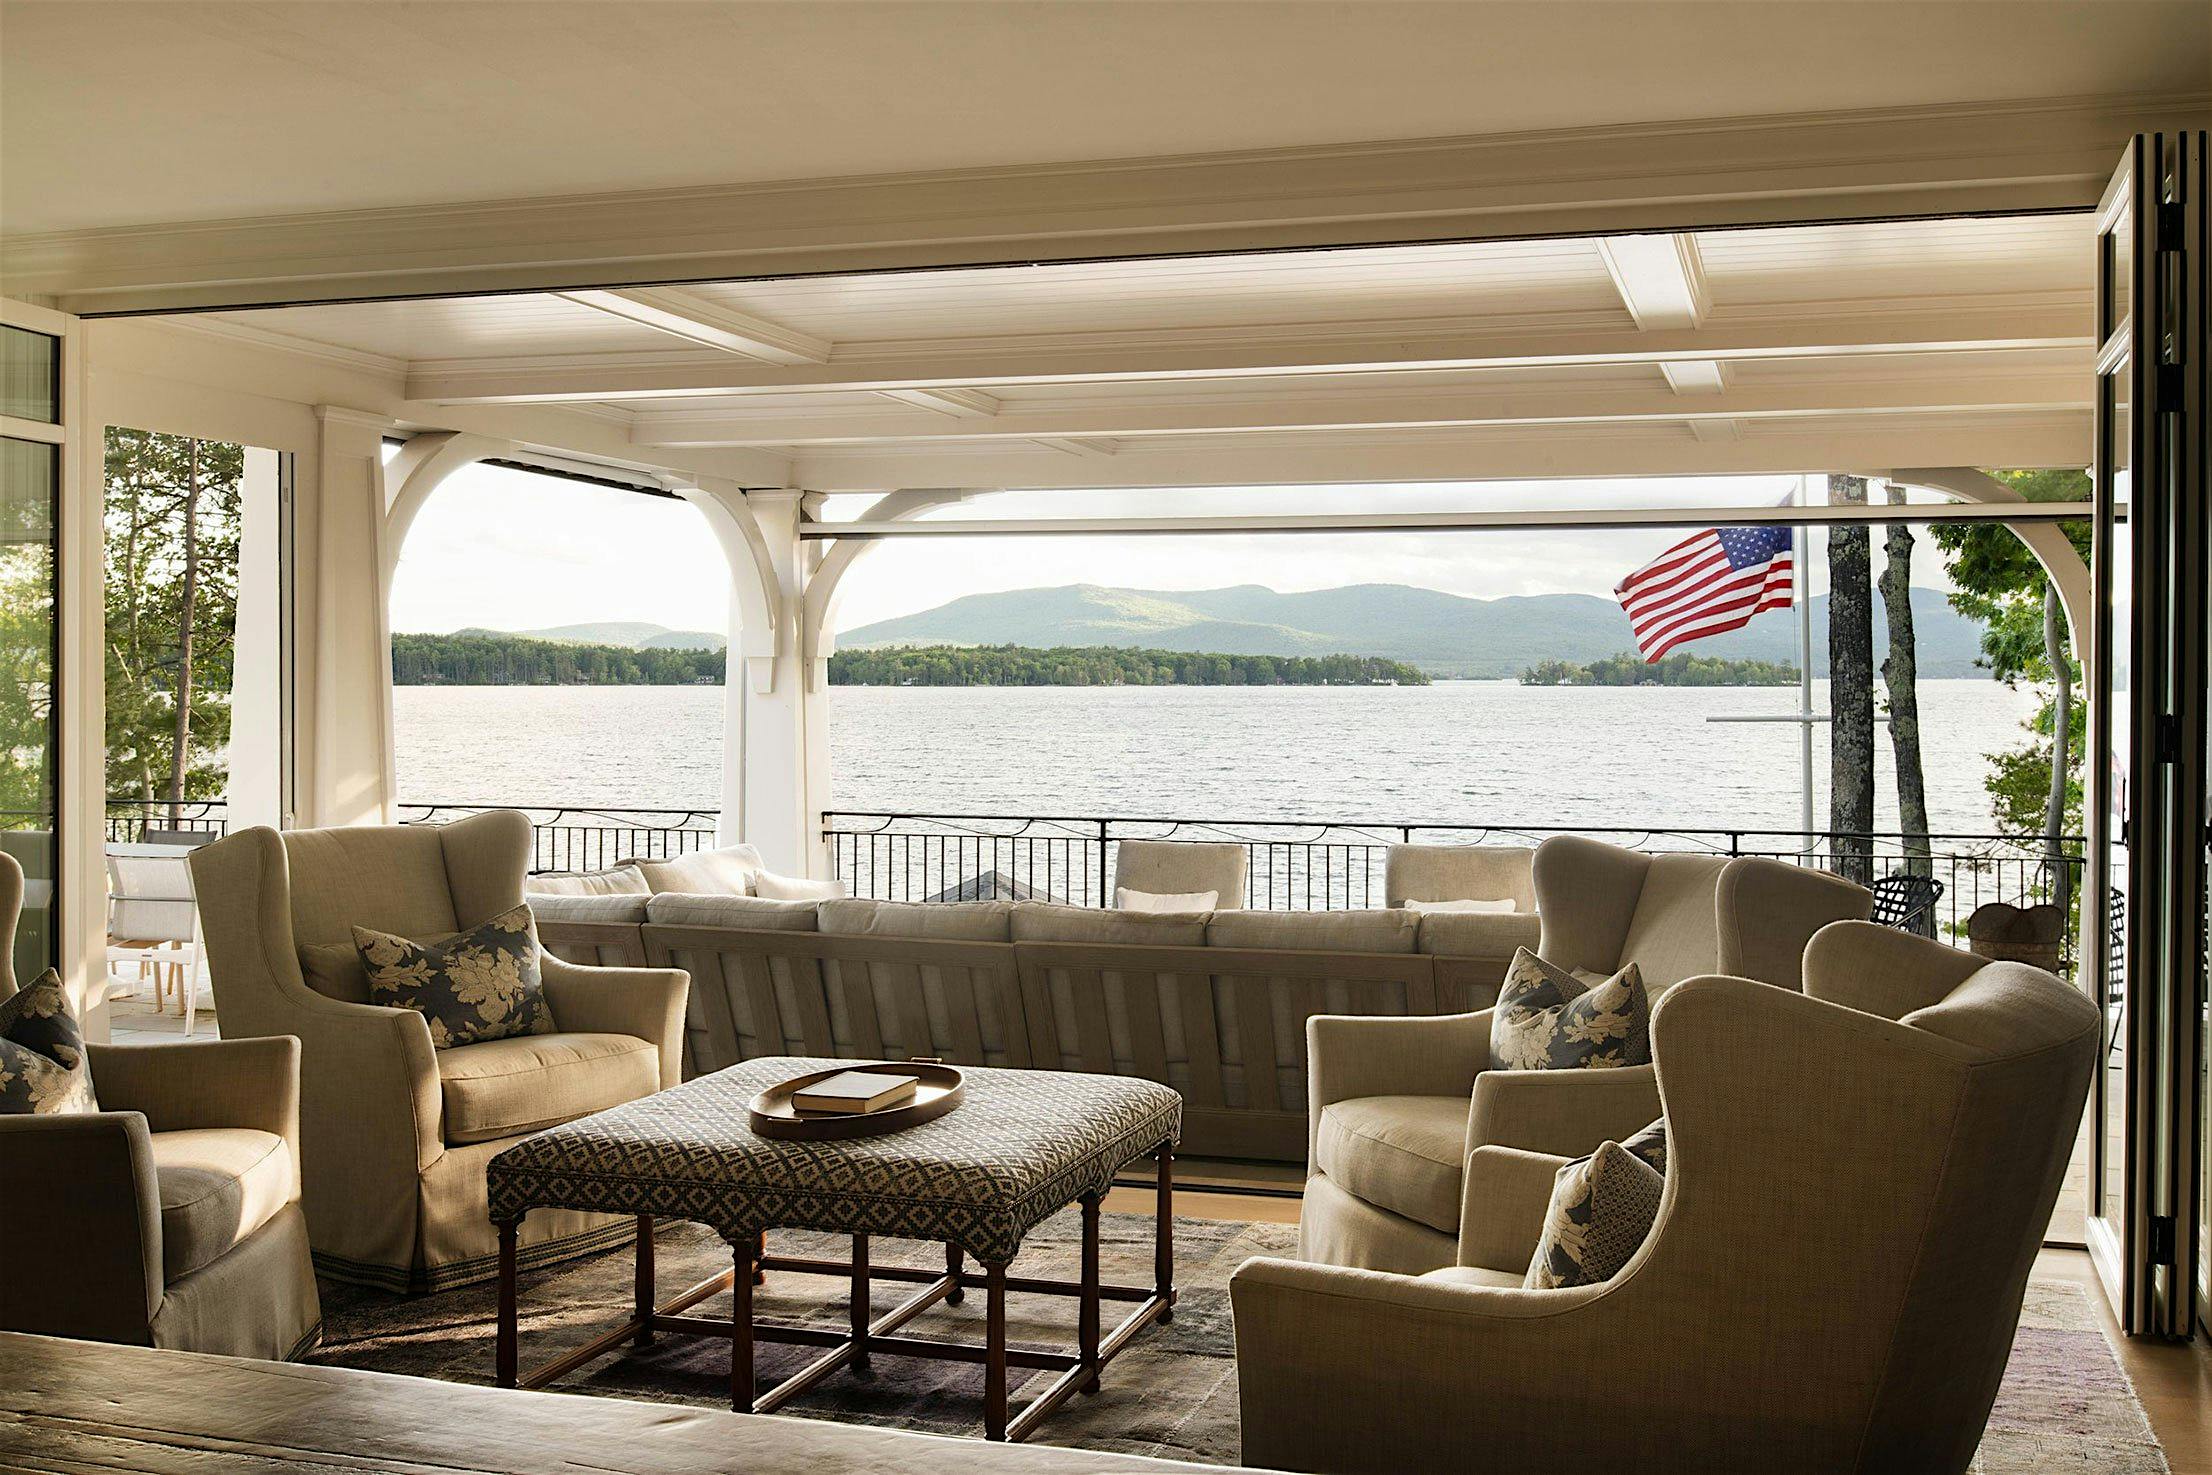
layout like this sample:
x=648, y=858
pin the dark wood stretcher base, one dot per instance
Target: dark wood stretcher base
x=867, y=1334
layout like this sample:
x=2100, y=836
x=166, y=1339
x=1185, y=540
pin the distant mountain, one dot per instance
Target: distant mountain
x=1443, y=634
x=635, y=634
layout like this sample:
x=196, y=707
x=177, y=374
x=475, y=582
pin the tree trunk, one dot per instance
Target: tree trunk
x=180, y=749
x=1851, y=688
x=2062, y=733
x=1901, y=675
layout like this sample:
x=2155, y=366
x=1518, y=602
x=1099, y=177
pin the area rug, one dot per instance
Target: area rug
x=2065, y=1406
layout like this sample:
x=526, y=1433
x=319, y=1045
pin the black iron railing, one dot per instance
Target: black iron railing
x=567, y=838
x=140, y=821
x=1328, y=865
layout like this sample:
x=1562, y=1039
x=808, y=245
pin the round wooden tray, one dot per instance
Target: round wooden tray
x=941, y=1088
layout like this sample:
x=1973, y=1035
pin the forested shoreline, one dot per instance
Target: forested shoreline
x=473, y=658
x=1683, y=669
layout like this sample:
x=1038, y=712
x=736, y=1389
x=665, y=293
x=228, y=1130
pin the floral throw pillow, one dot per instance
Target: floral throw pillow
x=1548, y=1019
x=478, y=985
x=43, y=1069
x=1648, y=1145
x=1602, y=1210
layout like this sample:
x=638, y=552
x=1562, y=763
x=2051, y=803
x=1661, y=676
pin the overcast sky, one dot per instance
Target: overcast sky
x=508, y=550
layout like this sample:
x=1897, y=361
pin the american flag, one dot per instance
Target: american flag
x=1706, y=585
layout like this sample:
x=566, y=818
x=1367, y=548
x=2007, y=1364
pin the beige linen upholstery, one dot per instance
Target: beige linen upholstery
x=615, y=881
x=1599, y=908
x=1858, y=1180
x=1181, y=868
x=392, y=1196
x=11, y=909
x=726, y=872
x=1460, y=873
x=170, y=1217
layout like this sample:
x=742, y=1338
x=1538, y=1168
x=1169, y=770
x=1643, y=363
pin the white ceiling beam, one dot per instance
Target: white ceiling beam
x=1196, y=414
x=692, y=318
x=1662, y=284
x=1106, y=358
x=960, y=404
x=1654, y=449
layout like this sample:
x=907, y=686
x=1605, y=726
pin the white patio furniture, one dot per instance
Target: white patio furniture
x=154, y=924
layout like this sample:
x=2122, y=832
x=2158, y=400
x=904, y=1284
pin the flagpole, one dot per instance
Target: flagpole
x=1804, y=668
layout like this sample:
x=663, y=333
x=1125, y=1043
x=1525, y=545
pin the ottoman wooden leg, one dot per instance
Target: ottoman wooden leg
x=859, y=1322
x=953, y=1263
x=1086, y=1311
x=994, y=1356
x=746, y=1256
x=641, y=1296
x=1163, y=1235
x=504, y=1355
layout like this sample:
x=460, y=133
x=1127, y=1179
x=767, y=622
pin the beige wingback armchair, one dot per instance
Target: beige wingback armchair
x=1395, y=1104
x=11, y=908
x=394, y=1134
x=1858, y=1182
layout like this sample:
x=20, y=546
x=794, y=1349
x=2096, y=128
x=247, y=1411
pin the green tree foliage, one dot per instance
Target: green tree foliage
x=1014, y=665
x=26, y=642
x=1680, y=669
x=2002, y=584
x=172, y=522
x=488, y=658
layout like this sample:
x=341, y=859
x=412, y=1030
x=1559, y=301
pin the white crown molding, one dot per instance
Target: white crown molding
x=1950, y=158
x=252, y=335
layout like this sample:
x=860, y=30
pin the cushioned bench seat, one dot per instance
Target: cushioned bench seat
x=526, y=1083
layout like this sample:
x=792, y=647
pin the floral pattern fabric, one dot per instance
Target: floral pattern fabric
x=43, y=1069
x=483, y=984
x=1602, y=1210
x=1648, y=1145
x=1548, y=1019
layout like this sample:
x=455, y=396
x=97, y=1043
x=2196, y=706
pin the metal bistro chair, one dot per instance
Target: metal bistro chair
x=1907, y=902
x=154, y=922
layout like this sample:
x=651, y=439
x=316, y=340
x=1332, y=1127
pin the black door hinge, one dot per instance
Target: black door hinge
x=2166, y=738
x=2162, y=1238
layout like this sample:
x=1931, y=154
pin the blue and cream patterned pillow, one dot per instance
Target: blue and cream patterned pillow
x=1648, y=1145
x=43, y=1069
x=482, y=984
x=1548, y=1019
x=1602, y=1210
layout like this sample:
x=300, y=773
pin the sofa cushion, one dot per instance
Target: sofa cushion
x=1477, y=934
x=614, y=881
x=751, y=913
x=725, y=872
x=618, y=907
x=1400, y=1153
x=1376, y=930
x=1602, y=1210
x=1475, y=1275
x=1164, y=901
x=217, y=1185
x=1048, y=921
x=482, y=984
x=1548, y=1019
x=797, y=888
x=43, y=1070
x=1467, y=906
x=503, y=1088
x=955, y=921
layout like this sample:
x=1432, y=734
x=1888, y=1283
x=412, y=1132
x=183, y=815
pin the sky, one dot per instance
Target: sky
x=509, y=550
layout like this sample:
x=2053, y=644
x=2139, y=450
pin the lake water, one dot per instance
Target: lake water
x=1485, y=752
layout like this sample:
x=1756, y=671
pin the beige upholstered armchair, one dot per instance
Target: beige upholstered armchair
x=170, y=1217
x=1858, y=1181
x=394, y=1134
x=1395, y=1104
x=1182, y=867
x=11, y=908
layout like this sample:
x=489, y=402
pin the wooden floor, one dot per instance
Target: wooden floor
x=2173, y=1379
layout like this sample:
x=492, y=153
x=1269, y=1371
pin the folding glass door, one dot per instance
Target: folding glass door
x=2146, y=911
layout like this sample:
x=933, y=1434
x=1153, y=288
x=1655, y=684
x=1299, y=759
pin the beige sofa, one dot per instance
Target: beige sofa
x=1397, y=1104
x=1858, y=1182
x=1211, y=1003
x=394, y=1134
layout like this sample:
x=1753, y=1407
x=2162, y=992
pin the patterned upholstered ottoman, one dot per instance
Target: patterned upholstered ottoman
x=1024, y=1145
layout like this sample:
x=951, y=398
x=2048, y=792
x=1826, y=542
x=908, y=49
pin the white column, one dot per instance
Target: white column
x=349, y=680
x=255, y=794
x=782, y=769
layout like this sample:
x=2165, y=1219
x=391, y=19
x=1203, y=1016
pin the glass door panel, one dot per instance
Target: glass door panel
x=30, y=480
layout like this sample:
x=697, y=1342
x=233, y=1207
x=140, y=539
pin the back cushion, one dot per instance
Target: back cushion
x=1674, y=934
x=390, y=878
x=726, y=872
x=618, y=881
x=957, y=921
x=1377, y=930
x=1460, y=872
x=627, y=910
x=1044, y=921
x=753, y=913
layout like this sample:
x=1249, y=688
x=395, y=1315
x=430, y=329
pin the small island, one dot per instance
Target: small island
x=1101, y=665
x=1628, y=669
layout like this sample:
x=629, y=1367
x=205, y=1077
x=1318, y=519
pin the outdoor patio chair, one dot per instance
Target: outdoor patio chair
x=154, y=925
x=1395, y=1104
x=395, y=1135
x=1858, y=1179
x=1460, y=873
x=1182, y=868
x=1907, y=902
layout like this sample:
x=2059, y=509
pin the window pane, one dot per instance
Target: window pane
x=29, y=476
x=30, y=375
